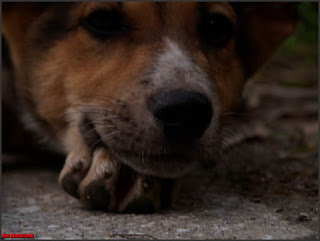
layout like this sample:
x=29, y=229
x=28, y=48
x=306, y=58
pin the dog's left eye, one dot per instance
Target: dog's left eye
x=215, y=29
x=104, y=23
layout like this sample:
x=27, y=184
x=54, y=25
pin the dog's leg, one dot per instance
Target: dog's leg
x=98, y=185
x=115, y=187
x=101, y=182
x=77, y=163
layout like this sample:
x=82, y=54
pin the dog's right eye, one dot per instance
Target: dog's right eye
x=104, y=23
x=215, y=29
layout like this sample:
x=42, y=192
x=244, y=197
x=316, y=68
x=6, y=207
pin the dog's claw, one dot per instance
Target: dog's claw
x=107, y=185
x=70, y=185
x=96, y=196
x=74, y=170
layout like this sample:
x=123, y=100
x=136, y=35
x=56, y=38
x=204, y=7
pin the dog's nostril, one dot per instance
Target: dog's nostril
x=182, y=114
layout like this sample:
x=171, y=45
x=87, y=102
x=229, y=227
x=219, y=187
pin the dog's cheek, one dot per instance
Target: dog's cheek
x=48, y=92
x=227, y=74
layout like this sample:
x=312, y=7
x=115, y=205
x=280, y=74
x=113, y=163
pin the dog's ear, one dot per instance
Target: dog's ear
x=262, y=27
x=16, y=17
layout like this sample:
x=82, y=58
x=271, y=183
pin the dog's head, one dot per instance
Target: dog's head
x=149, y=81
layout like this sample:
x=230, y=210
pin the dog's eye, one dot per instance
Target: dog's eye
x=104, y=23
x=215, y=29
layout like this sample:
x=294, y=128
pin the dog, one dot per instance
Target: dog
x=132, y=93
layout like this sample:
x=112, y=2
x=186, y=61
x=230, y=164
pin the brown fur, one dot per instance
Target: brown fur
x=60, y=72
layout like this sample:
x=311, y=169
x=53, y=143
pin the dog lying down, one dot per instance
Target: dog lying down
x=133, y=93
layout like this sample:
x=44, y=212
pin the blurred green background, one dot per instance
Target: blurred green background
x=305, y=39
x=302, y=49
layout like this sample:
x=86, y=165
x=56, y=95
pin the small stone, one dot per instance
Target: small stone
x=28, y=209
x=182, y=230
x=304, y=217
x=53, y=226
x=268, y=237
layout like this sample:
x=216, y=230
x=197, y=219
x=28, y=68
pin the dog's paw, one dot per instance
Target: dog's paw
x=75, y=169
x=103, y=183
x=98, y=185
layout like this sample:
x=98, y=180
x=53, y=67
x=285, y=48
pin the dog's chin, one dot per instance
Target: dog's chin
x=162, y=166
x=175, y=162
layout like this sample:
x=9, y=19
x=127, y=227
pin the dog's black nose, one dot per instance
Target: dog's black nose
x=182, y=114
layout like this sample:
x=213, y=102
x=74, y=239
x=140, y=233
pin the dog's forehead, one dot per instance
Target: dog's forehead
x=151, y=21
x=163, y=9
x=61, y=17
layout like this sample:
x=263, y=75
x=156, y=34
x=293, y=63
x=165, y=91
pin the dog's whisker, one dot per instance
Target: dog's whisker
x=93, y=112
x=104, y=125
x=108, y=96
x=142, y=152
x=75, y=124
x=108, y=137
x=103, y=139
x=95, y=107
x=103, y=98
x=69, y=113
x=148, y=153
x=130, y=144
x=104, y=118
x=94, y=144
x=93, y=129
x=88, y=132
x=109, y=117
x=64, y=114
x=227, y=133
x=97, y=98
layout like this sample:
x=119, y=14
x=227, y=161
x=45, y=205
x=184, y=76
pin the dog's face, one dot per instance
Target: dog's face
x=149, y=81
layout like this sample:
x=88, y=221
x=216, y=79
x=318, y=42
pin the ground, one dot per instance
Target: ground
x=266, y=187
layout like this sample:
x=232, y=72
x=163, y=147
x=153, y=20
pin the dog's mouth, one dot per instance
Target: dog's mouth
x=160, y=161
x=162, y=135
x=167, y=165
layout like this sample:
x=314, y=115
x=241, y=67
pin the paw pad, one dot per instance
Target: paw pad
x=70, y=185
x=107, y=174
x=96, y=195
